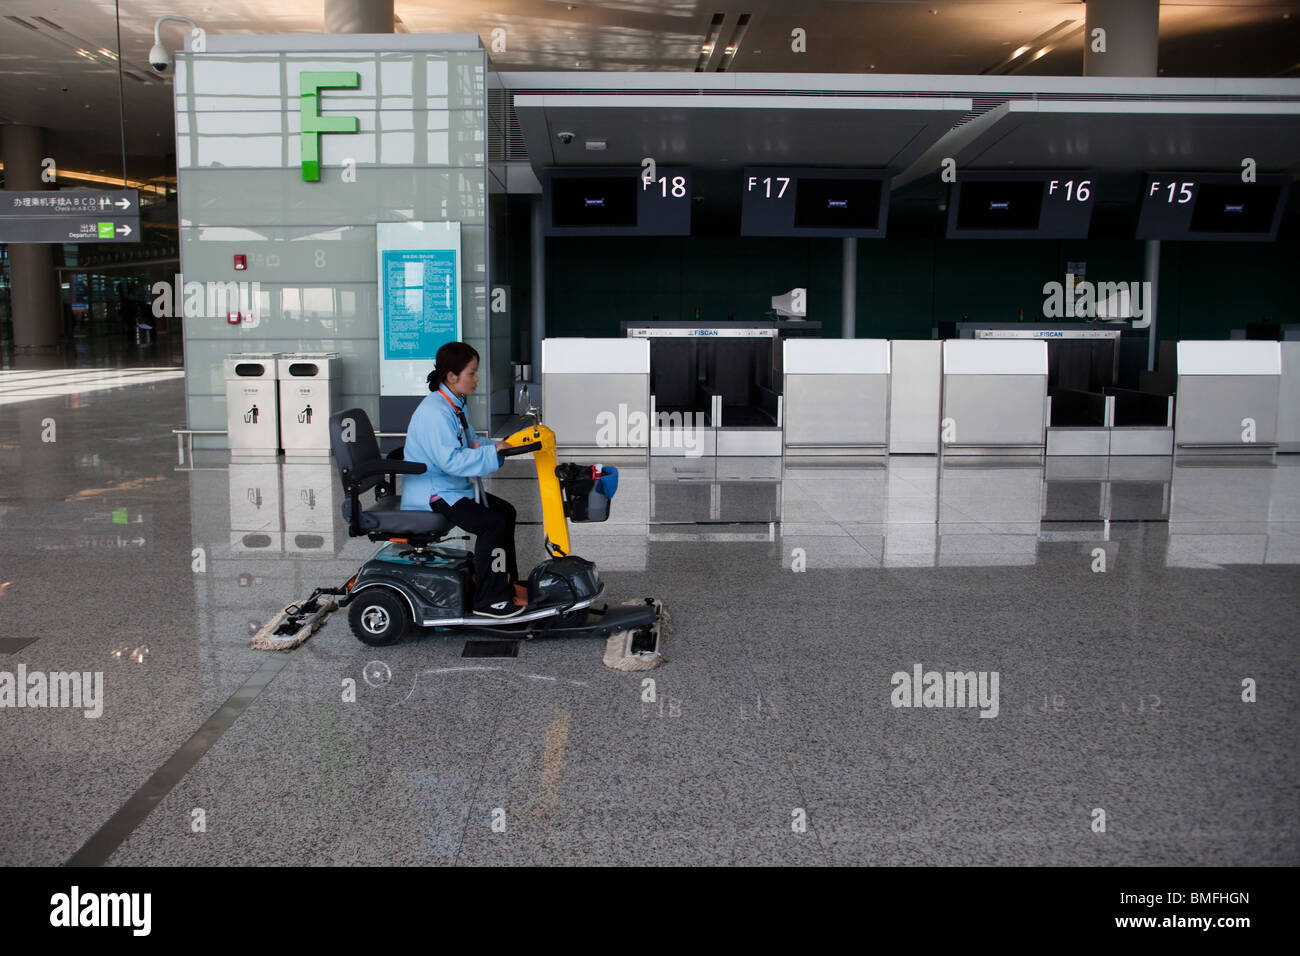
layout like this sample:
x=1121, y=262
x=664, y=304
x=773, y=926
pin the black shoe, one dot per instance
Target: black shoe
x=501, y=609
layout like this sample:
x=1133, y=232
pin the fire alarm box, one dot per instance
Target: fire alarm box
x=241, y=263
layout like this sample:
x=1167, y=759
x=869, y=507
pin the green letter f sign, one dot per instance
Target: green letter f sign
x=313, y=124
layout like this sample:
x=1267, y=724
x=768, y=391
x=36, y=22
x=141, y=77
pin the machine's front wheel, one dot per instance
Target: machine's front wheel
x=378, y=617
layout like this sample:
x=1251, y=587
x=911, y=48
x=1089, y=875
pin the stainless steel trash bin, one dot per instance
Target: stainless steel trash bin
x=309, y=392
x=252, y=416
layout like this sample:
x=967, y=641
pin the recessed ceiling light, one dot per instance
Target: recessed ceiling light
x=1020, y=51
x=1042, y=53
x=707, y=48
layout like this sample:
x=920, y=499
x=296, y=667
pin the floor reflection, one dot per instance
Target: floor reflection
x=899, y=512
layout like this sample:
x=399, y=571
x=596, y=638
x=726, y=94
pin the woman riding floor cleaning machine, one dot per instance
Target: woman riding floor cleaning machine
x=414, y=582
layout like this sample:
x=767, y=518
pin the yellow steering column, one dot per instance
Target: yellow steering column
x=548, y=485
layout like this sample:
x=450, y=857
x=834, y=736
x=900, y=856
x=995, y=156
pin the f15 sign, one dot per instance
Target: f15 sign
x=617, y=201
x=813, y=202
x=1215, y=206
x=1024, y=204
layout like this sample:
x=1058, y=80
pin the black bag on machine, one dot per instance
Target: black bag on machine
x=562, y=581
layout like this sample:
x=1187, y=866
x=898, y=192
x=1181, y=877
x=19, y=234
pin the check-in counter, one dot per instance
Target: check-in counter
x=915, y=388
x=994, y=396
x=1227, y=399
x=1288, y=412
x=596, y=394
x=836, y=396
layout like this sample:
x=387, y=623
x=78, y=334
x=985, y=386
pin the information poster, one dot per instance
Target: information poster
x=419, y=300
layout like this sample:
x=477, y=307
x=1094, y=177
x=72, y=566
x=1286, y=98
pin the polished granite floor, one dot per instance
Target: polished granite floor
x=1122, y=604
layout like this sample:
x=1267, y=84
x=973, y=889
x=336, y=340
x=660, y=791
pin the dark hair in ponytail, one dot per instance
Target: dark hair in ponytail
x=450, y=360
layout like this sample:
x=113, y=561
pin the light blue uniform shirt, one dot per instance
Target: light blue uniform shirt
x=435, y=439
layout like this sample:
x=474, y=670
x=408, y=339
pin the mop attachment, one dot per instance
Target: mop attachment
x=292, y=626
x=639, y=650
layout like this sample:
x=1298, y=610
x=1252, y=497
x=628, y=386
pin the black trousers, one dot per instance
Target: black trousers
x=493, y=525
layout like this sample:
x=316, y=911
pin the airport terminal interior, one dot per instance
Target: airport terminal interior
x=900, y=403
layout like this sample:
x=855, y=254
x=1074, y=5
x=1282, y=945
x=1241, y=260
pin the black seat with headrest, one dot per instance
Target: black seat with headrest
x=362, y=468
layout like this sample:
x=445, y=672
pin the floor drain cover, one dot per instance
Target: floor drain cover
x=490, y=649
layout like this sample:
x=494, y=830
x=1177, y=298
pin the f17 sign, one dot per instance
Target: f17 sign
x=69, y=215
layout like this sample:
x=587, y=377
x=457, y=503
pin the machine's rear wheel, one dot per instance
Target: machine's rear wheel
x=378, y=617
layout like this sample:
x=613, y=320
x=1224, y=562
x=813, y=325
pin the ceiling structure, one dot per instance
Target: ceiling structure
x=59, y=66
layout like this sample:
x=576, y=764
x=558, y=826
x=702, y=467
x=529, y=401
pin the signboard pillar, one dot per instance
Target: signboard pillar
x=537, y=296
x=1151, y=276
x=34, y=289
x=419, y=311
x=849, y=289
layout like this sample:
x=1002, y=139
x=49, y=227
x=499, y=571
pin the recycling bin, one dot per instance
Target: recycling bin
x=256, y=511
x=311, y=507
x=252, y=416
x=309, y=392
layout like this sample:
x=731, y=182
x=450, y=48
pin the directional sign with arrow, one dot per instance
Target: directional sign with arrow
x=69, y=215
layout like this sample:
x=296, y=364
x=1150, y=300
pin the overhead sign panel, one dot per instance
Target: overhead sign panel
x=617, y=201
x=1212, y=206
x=1021, y=204
x=69, y=215
x=779, y=201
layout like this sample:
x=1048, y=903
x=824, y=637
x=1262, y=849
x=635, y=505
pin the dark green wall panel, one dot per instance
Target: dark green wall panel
x=905, y=286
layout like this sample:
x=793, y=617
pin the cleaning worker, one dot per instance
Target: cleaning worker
x=441, y=438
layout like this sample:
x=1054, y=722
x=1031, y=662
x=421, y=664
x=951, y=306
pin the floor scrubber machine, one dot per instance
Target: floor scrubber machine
x=417, y=582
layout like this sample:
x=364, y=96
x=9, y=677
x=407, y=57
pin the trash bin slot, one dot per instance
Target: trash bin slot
x=257, y=540
x=250, y=369
x=309, y=541
x=304, y=369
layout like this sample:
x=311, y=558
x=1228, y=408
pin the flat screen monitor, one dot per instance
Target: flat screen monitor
x=603, y=201
x=837, y=203
x=1235, y=207
x=1005, y=204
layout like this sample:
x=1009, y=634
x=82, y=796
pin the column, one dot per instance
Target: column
x=358, y=16
x=1132, y=35
x=1151, y=275
x=34, y=286
x=849, y=290
x=537, y=295
x=1132, y=39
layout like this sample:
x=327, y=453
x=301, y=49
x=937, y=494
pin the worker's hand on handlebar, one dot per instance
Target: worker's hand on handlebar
x=502, y=445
